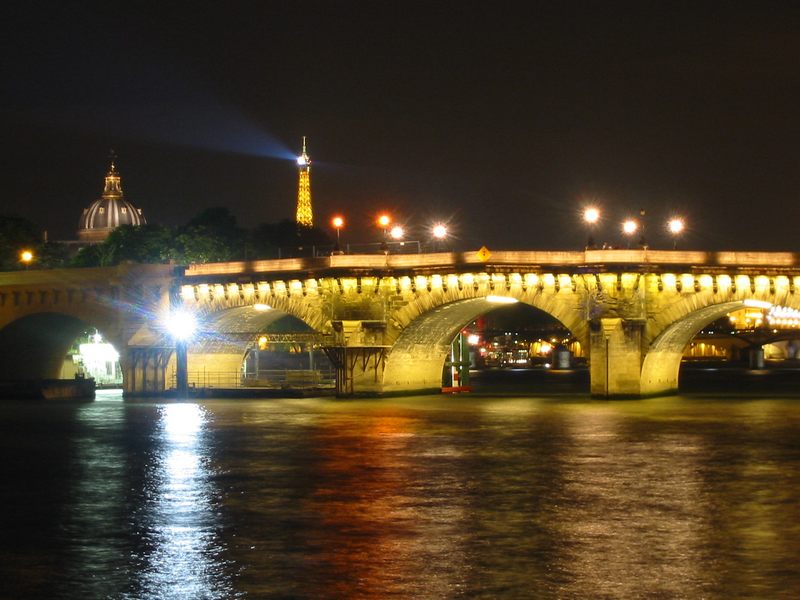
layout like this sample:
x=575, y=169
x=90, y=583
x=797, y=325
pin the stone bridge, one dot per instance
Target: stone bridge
x=387, y=321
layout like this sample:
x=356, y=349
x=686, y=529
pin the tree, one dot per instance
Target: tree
x=286, y=238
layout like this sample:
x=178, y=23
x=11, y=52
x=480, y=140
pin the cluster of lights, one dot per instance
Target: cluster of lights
x=397, y=232
x=783, y=316
x=592, y=215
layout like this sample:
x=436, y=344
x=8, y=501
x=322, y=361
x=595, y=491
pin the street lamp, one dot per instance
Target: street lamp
x=181, y=325
x=384, y=221
x=25, y=257
x=675, y=226
x=591, y=216
x=629, y=228
x=338, y=223
x=439, y=232
x=397, y=232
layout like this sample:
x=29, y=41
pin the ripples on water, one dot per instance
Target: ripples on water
x=426, y=497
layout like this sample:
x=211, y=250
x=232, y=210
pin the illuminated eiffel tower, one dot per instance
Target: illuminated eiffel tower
x=304, y=214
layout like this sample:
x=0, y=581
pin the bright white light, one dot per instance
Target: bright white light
x=591, y=215
x=439, y=231
x=384, y=220
x=397, y=232
x=182, y=325
x=302, y=161
x=338, y=222
x=675, y=226
x=757, y=303
x=473, y=339
x=629, y=227
x=260, y=307
x=501, y=299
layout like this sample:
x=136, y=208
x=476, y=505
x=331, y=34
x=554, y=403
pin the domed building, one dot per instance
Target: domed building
x=109, y=211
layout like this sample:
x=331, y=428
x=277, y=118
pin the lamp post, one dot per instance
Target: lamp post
x=591, y=216
x=439, y=232
x=26, y=257
x=338, y=223
x=181, y=326
x=629, y=228
x=384, y=221
x=675, y=226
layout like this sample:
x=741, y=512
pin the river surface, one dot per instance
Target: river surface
x=471, y=496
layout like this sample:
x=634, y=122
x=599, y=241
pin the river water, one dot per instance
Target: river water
x=425, y=497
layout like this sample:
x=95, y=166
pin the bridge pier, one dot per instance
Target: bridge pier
x=146, y=370
x=615, y=352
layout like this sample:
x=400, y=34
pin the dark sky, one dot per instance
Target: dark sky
x=504, y=122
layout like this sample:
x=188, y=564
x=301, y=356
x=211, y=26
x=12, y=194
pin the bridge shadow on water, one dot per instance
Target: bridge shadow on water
x=699, y=378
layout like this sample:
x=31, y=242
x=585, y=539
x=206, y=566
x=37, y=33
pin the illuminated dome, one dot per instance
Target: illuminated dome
x=109, y=211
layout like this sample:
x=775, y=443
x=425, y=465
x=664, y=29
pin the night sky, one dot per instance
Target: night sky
x=503, y=122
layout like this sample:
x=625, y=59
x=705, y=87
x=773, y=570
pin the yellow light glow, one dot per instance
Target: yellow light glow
x=187, y=292
x=501, y=299
x=757, y=303
x=384, y=220
x=591, y=215
x=338, y=222
x=706, y=281
x=629, y=227
x=261, y=307
x=439, y=231
x=26, y=256
x=531, y=279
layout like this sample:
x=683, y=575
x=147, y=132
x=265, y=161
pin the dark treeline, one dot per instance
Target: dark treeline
x=211, y=236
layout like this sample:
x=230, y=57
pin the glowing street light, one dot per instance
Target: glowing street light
x=591, y=216
x=675, y=226
x=26, y=257
x=338, y=223
x=439, y=233
x=182, y=325
x=384, y=220
x=629, y=228
x=397, y=232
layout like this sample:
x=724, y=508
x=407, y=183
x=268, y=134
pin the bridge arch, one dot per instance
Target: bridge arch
x=420, y=350
x=678, y=324
x=38, y=342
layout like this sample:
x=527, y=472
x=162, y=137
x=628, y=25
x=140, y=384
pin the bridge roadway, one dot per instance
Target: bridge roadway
x=387, y=321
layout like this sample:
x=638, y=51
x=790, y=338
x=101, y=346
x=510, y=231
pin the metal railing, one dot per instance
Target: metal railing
x=278, y=378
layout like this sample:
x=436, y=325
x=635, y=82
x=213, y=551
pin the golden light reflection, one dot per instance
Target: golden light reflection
x=372, y=506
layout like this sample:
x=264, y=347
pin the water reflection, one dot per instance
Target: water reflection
x=386, y=525
x=183, y=554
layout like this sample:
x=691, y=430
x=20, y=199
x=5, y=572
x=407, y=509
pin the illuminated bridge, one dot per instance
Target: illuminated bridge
x=387, y=321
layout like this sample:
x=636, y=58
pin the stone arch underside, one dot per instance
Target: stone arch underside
x=225, y=337
x=417, y=357
x=662, y=362
x=37, y=344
